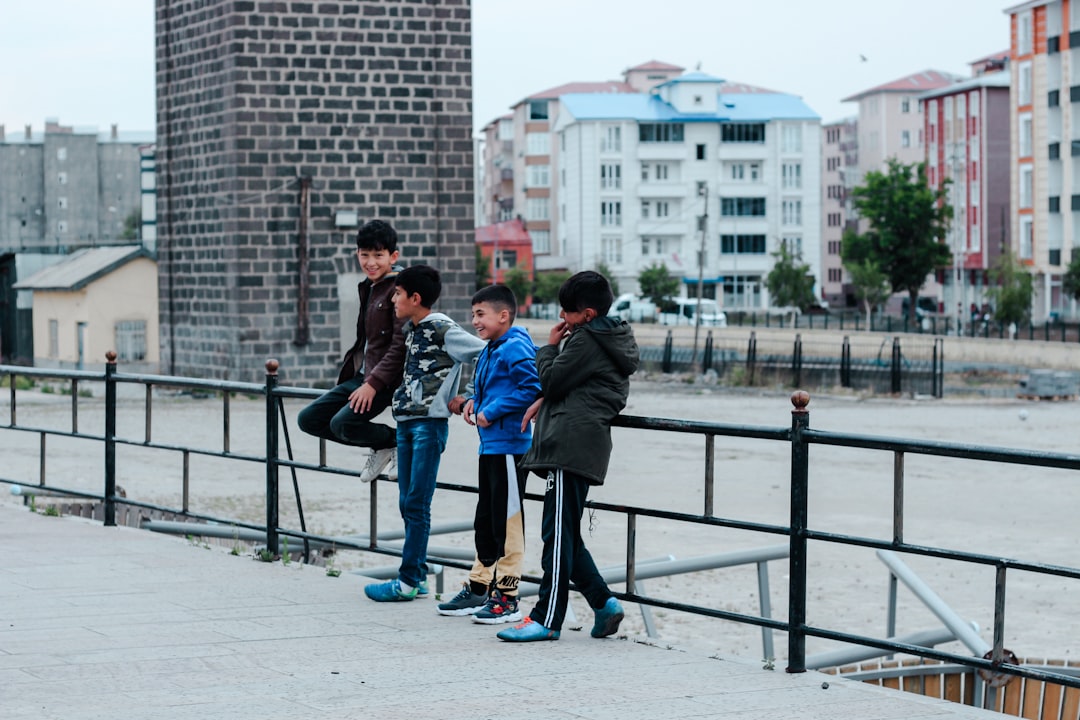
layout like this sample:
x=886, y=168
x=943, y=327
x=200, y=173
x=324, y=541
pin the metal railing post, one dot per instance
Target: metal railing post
x=271, y=457
x=800, y=457
x=896, y=376
x=110, y=439
x=665, y=364
x=796, y=361
x=845, y=363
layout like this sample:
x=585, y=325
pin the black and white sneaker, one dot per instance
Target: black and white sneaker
x=464, y=603
x=498, y=609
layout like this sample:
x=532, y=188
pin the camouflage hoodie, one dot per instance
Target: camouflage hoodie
x=434, y=350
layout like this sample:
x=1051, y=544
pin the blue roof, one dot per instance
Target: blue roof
x=734, y=107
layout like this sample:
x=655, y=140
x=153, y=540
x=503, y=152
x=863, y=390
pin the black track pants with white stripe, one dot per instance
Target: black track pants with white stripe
x=565, y=558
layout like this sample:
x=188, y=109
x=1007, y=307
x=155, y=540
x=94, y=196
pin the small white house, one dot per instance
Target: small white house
x=93, y=301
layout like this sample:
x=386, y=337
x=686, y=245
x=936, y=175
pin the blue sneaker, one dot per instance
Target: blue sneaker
x=608, y=619
x=528, y=630
x=422, y=590
x=389, y=591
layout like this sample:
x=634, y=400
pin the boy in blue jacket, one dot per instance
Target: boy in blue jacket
x=504, y=385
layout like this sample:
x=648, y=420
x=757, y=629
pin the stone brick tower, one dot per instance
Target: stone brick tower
x=280, y=126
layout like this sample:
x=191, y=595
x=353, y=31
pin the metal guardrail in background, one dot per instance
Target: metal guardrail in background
x=799, y=436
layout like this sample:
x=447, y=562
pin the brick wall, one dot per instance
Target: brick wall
x=370, y=99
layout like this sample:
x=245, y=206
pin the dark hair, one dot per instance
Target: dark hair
x=420, y=279
x=586, y=289
x=499, y=297
x=377, y=235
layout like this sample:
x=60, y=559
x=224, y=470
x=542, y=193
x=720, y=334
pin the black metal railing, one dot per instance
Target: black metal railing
x=799, y=436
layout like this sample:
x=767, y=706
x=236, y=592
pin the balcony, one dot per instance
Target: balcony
x=663, y=190
x=663, y=151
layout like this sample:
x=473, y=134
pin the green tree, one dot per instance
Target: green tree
x=871, y=285
x=517, y=279
x=1070, y=281
x=789, y=282
x=132, y=223
x=1012, y=290
x=483, y=269
x=658, y=284
x=604, y=270
x=546, y=289
x=908, y=220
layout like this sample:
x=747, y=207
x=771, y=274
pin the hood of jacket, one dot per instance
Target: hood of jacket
x=616, y=339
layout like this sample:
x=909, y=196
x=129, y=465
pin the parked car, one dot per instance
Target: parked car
x=631, y=308
x=681, y=311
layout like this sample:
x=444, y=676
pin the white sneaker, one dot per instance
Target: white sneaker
x=376, y=463
x=391, y=469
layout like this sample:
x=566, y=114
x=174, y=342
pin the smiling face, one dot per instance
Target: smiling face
x=376, y=263
x=490, y=322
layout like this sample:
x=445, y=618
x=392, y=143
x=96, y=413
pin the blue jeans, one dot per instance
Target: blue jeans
x=420, y=444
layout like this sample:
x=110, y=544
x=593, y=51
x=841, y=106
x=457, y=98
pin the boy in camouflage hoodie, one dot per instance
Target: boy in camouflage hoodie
x=435, y=348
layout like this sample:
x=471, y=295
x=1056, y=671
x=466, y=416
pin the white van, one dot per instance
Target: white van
x=631, y=308
x=684, y=309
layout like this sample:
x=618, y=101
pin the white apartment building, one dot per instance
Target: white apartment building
x=706, y=182
x=1045, y=149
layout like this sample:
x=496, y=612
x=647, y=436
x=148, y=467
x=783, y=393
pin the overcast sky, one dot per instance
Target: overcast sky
x=91, y=62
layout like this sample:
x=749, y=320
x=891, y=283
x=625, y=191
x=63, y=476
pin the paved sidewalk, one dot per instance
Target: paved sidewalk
x=120, y=623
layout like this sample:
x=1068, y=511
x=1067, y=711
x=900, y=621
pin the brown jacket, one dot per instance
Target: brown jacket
x=378, y=337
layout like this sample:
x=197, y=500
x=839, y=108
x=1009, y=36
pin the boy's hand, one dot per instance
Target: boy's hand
x=456, y=404
x=561, y=330
x=531, y=413
x=361, y=398
x=482, y=421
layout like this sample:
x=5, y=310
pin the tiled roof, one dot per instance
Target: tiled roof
x=82, y=267
x=915, y=83
x=655, y=65
x=608, y=86
x=506, y=231
x=744, y=107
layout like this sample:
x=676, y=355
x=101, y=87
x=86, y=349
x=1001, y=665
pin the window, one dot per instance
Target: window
x=1023, y=33
x=538, y=109
x=662, y=208
x=537, y=143
x=541, y=241
x=742, y=244
x=660, y=171
x=611, y=214
x=538, y=176
x=645, y=211
x=61, y=178
x=131, y=340
x=792, y=175
x=61, y=154
x=1025, y=186
x=700, y=152
x=742, y=207
x=791, y=139
x=1023, y=90
x=537, y=209
x=905, y=138
x=791, y=212
x=54, y=338
x=506, y=130
x=738, y=171
x=611, y=249
x=1026, y=239
x=794, y=244
x=1053, y=98
x=835, y=275
x=61, y=227
x=905, y=104
x=610, y=176
x=62, y=203
x=660, y=132
x=1025, y=135
x=743, y=133
x=611, y=139
x=655, y=246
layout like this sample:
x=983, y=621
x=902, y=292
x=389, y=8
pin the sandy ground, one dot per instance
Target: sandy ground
x=1012, y=511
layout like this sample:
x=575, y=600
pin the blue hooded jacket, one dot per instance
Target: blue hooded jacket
x=504, y=385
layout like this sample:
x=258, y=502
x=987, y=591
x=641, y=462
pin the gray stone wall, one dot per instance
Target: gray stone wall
x=372, y=101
